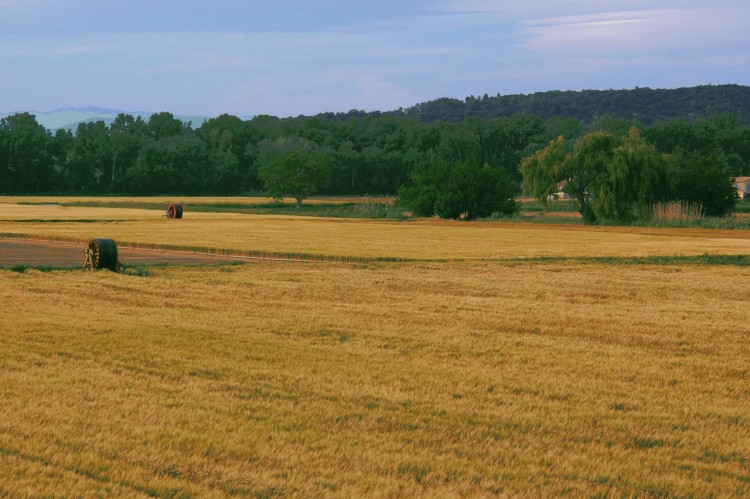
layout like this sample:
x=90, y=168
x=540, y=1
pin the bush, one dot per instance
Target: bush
x=467, y=191
x=706, y=180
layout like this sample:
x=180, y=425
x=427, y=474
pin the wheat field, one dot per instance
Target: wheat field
x=361, y=239
x=472, y=376
x=378, y=379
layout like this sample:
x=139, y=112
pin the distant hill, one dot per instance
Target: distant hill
x=643, y=104
x=69, y=118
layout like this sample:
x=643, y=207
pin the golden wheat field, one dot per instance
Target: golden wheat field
x=478, y=375
x=361, y=239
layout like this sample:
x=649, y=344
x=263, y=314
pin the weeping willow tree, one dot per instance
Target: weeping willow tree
x=542, y=171
x=608, y=177
x=639, y=176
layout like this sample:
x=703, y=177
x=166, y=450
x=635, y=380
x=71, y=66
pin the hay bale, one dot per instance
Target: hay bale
x=101, y=254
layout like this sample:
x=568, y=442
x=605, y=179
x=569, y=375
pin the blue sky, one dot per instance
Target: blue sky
x=290, y=57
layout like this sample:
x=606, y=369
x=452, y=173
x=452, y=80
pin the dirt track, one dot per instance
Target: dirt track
x=63, y=254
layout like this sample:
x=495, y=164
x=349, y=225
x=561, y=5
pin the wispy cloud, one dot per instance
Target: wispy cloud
x=553, y=7
x=628, y=32
x=618, y=31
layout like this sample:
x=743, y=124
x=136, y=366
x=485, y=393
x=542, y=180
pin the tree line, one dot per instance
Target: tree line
x=469, y=169
x=227, y=155
x=644, y=104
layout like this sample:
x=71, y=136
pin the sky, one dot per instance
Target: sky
x=293, y=57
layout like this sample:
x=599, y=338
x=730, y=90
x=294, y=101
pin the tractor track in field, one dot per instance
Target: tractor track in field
x=65, y=254
x=17, y=250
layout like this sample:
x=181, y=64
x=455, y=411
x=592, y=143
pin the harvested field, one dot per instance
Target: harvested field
x=495, y=359
x=345, y=239
x=367, y=239
x=441, y=379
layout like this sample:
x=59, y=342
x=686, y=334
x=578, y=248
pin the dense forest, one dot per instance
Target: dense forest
x=351, y=154
x=645, y=105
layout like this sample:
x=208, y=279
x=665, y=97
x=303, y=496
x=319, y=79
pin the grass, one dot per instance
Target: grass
x=339, y=207
x=532, y=211
x=724, y=223
x=162, y=201
x=743, y=206
x=362, y=209
x=58, y=209
x=21, y=268
x=530, y=205
x=427, y=379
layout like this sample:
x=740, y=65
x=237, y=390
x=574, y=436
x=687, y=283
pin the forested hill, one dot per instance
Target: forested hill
x=643, y=104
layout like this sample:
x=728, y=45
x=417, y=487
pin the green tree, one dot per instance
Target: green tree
x=706, y=179
x=229, y=135
x=459, y=143
x=585, y=169
x=613, y=126
x=7, y=174
x=172, y=165
x=27, y=165
x=557, y=126
x=90, y=159
x=61, y=149
x=466, y=190
x=638, y=176
x=291, y=166
x=542, y=171
x=667, y=136
x=125, y=134
x=164, y=124
x=474, y=191
x=424, y=188
x=506, y=141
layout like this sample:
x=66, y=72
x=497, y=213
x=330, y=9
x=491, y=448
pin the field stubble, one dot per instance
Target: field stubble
x=377, y=379
x=430, y=379
x=361, y=239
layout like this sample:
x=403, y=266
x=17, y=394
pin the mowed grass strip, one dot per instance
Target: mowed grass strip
x=187, y=200
x=381, y=379
x=70, y=208
x=59, y=213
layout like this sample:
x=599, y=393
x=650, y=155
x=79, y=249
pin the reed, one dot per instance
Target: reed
x=675, y=211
